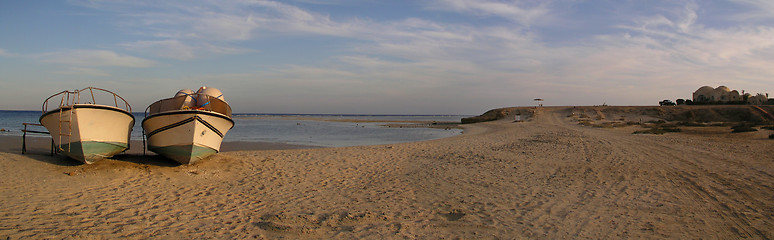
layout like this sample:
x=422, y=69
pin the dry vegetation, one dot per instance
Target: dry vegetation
x=654, y=119
x=660, y=120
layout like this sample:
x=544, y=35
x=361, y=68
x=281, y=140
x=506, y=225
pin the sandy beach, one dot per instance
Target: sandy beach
x=545, y=178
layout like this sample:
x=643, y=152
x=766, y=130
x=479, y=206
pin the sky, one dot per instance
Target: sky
x=386, y=57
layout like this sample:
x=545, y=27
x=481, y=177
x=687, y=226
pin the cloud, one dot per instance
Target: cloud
x=523, y=12
x=85, y=71
x=4, y=53
x=183, y=27
x=176, y=49
x=278, y=17
x=186, y=30
x=94, y=58
x=164, y=48
x=627, y=66
x=687, y=42
x=513, y=54
x=760, y=9
x=217, y=21
x=223, y=26
x=668, y=55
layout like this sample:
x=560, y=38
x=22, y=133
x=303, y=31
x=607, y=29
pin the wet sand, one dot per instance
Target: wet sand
x=546, y=178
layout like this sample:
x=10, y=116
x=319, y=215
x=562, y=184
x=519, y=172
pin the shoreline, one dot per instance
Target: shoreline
x=547, y=177
x=40, y=144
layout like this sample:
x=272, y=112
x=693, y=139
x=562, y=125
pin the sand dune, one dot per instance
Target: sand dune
x=546, y=178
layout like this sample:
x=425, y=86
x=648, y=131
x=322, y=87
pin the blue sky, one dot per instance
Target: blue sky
x=386, y=57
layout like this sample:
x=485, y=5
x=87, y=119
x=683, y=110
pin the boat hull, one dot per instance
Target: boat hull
x=88, y=132
x=186, y=136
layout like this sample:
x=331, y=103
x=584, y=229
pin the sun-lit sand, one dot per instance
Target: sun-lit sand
x=546, y=178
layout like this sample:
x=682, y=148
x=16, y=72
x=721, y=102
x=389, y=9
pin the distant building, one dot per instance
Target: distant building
x=759, y=99
x=720, y=94
x=724, y=95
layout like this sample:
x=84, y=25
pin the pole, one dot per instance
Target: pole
x=24, y=140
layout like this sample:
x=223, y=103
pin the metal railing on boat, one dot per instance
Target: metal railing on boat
x=71, y=98
x=74, y=97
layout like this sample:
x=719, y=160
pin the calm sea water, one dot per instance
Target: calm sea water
x=303, y=129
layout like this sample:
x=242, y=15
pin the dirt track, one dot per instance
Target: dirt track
x=547, y=178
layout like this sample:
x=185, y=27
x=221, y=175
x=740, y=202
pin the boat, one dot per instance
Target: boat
x=87, y=131
x=189, y=126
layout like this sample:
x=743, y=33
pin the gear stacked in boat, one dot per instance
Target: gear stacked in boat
x=87, y=131
x=189, y=126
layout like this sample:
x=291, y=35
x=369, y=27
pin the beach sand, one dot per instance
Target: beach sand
x=547, y=178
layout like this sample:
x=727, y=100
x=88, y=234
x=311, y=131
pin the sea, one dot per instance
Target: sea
x=318, y=130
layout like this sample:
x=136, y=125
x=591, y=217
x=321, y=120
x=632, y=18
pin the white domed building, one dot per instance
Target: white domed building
x=724, y=95
x=721, y=94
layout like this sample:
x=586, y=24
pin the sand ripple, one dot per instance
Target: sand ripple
x=547, y=178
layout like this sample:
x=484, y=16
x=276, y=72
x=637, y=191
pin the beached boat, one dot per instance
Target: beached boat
x=87, y=131
x=189, y=126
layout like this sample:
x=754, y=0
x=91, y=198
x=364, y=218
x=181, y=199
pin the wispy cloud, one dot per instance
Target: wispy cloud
x=220, y=21
x=509, y=56
x=523, y=12
x=676, y=51
x=85, y=72
x=94, y=58
x=164, y=48
x=684, y=40
x=4, y=53
x=186, y=30
x=760, y=9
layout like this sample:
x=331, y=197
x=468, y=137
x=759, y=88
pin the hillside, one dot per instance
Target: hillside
x=700, y=114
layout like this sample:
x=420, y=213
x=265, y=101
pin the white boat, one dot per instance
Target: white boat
x=188, y=127
x=87, y=131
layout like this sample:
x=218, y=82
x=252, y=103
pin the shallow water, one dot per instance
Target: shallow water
x=325, y=130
